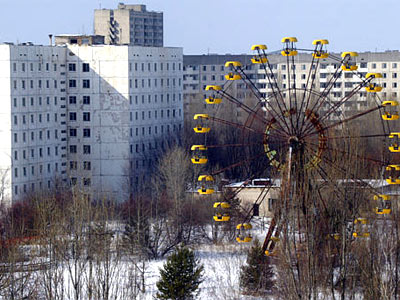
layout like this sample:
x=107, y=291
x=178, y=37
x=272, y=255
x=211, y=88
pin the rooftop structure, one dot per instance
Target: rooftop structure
x=129, y=25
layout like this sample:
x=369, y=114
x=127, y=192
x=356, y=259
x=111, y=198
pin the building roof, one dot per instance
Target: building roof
x=276, y=57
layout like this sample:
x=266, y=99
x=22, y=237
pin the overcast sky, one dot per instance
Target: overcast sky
x=222, y=26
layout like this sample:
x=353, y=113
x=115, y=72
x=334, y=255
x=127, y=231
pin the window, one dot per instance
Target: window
x=373, y=66
x=86, y=165
x=86, y=116
x=394, y=65
x=72, y=83
x=86, y=132
x=72, y=149
x=72, y=132
x=72, y=67
x=86, y=99
x=86, y=181
x=72, y=116
x=86, y=83
x=73, y=165
x=72, y=99
x=86, y=149
x=85, y=67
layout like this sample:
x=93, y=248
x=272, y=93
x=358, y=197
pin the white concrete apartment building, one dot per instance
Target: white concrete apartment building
x=201, y=70
x=89, y=116
x=33, y=118
x=129, y=24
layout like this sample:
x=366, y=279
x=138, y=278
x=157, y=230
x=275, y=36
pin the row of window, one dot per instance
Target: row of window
x=25, y=84
x=149, y=98
x=24, y=118
x=149, y=129
x=86, y=132
x=23, y=67
x=74, y=149
x=25, y=190
x=85, y=181
x=143, y=163
x=73, y=99
x=86, y=165
x=72, y=67
x=72, y=83
x=85, y=116
x=25, y=153
x=153, y=67
x=26, y=101
x=24, y=170
x=214, y=68
x=136, y=83
x=39, y=134
x=169, y=112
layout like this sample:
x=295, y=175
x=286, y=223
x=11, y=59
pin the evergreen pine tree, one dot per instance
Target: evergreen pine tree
x=181, y=276
x=256, y=276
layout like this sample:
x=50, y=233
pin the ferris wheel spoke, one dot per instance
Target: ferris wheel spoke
x=260, y=199
x=247, y=109
x=348, y=154
x=354, y=136
x=240, y=104
x=324, y=94
x=256, y=92
x=335, y=108
x=348, y=175
x=274, y=84
x=354, y=117
x=289, y=66
x=233, y=124
x=233, y=145
x=311, y=74
x=238, y=164
x=277, y=133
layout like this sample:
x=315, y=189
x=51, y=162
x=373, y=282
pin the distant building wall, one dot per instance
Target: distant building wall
x=130, y=24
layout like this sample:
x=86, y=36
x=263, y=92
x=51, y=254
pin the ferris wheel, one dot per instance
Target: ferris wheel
x=302, y=123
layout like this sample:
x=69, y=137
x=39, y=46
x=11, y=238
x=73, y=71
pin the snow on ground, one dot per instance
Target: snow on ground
x=221, y=272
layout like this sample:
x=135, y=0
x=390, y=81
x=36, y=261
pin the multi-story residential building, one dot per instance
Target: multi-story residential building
x=129, y=24
x=33, y=123
x=202, y=70
x=89, y=116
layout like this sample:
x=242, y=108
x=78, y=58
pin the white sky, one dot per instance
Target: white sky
x=222, y=26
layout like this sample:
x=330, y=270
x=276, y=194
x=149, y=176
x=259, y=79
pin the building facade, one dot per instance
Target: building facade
x=129, y=24
x=87, y=116
x=202, y=70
